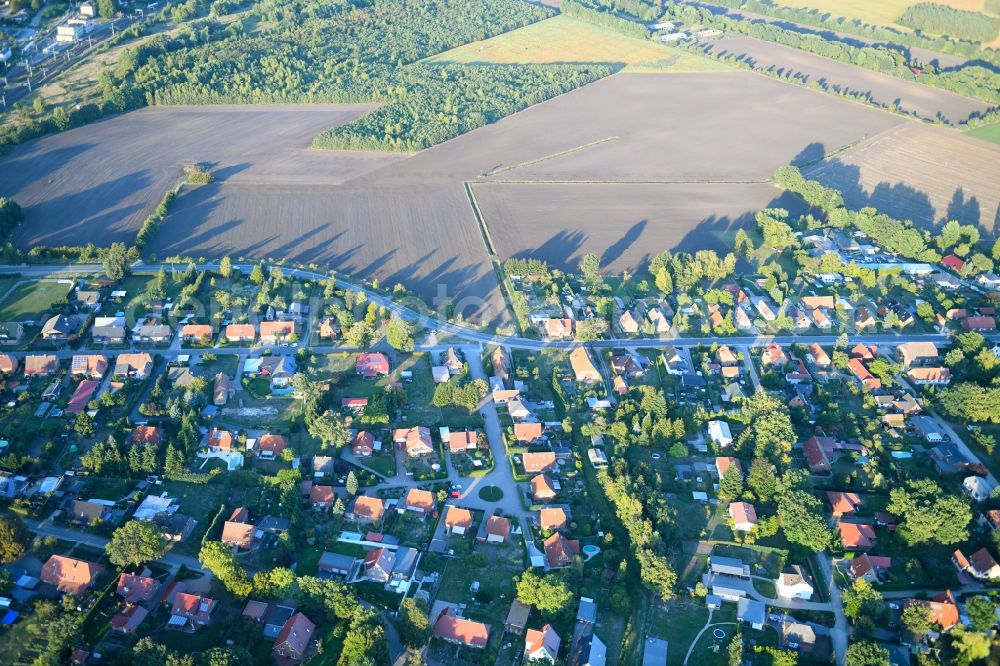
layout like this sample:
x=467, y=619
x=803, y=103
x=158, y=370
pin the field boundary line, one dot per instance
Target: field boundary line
x=756, y=181
x=552, y=156
x=494, y=257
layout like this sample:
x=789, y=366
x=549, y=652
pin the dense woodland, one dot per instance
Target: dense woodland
x=941, y=20
x=337, y=52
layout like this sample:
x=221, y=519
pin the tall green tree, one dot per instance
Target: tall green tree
x=116, y=261
x=866, y=653
x=803, y=521
x=928, y=514
x=549, y=594
x=136, y=542
x=399, y=335
x=14, y=538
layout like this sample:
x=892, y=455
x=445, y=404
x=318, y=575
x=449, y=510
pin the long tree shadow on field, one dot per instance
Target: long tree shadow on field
x=624, y=243
x=558, y=251
x=228, y=171
x=31, y=162
x=964, y=210
x=68, y=219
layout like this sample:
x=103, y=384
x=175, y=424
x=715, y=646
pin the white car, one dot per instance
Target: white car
x=656, y=456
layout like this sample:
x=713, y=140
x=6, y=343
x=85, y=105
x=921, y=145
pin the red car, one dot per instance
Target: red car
x=455, y=494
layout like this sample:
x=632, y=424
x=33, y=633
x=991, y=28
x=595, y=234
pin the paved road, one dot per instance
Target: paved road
x=45, y=528
x=840, y=631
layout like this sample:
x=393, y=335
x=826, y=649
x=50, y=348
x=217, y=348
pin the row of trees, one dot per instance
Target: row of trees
x=603, y=17
x=820, y=19
x=972, y=80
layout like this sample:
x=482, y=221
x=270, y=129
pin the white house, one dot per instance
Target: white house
x=796, y=583
x=978, y=488
x=719, y=433
x=541, y=645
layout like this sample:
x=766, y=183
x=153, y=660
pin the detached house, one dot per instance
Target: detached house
x=272, y=332
x=583, y=367
x=560, y=551
x=68, y=575
x=917, y=353
x=91, y=366
x=190, y=612
x=541, y=645
x=454, y=629
x=856, y=536
x=241, y=333
x=40, y=365
x=371, y=364
x=538, y=462
x=417, y=441
x=744, y=516
x=457, y=520
x=296, y=640
x=366, y=509
x=196, y=333
x=558, y=329
x=133, y=365
x=795, y=583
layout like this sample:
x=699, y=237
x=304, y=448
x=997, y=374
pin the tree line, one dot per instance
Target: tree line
x=972, y=80
x=826, y=20
x=604, y=16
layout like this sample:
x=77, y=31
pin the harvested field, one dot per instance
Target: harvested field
x=697, y=127
x=422, y=234
x=563, y=39
x=625, y=224
x=97, y=183
x=925, y=101
x=926, y=174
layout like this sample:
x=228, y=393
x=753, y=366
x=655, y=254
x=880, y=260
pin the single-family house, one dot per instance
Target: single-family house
x=379, y=564
x=856, y=536
x=978, y=488
x=538, y=462
x=720, y=434
x=241, y=333
x=541, y=645
x=419, y=501
x=843, y=504
x=322, y=497
x=40, y=365
x=743, y=515
x=133, y=365
x=69, y=575
x=146, y=435
x=416, y=441
x=558, y=329
x=190, y=612
x=552, y=519
x=371, y=364
x=527, y=432
x=497, y=529
x=366, y=509
x=272, y=332
x=560, y=551
x=453, y=629
x=363, y=443
x=542, y=488
x=197, y=333
x=794, y=583
x=296, y=640
x=583, y=368
x=270, y=445
x=723, y=463
x=457, y=520
x=91, y=366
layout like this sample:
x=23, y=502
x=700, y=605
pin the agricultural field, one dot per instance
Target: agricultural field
x=925, y=174
x=707, y=128
x=98, y=183
x=562, y=39
x=909, y=96
x=625, y=224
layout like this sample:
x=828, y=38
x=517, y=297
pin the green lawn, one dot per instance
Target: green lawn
x=30, y=300
x=383, y=464
x=986, y=133
x=678, y=624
